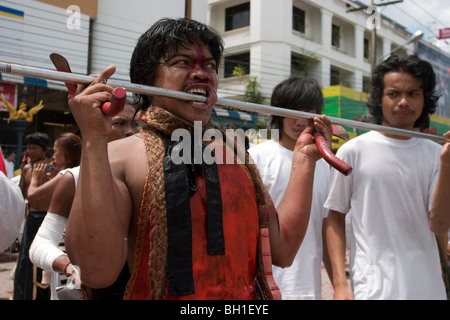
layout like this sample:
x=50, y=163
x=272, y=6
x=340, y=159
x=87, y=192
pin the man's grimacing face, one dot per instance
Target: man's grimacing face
x=192, y=69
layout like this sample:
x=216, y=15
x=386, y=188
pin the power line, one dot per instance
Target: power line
x=423, y=9
x=426, y=26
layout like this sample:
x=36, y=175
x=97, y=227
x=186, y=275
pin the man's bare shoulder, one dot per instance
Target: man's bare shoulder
x=127, y=156
x=27, y=167
x=129, y=167
x=133, y=144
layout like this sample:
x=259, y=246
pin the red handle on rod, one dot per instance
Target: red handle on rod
x=329, y=156
x=118, y=97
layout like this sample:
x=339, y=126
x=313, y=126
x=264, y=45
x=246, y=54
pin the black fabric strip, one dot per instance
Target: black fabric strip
x=179, y=184
x=216, y=241
x=179, y=228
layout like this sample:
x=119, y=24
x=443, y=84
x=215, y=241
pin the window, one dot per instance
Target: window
x=297, y=64
x=366, y=84
x=237, y=17
x=334, y=77
x=366, y=49
x=298, y=20
x=303, y=64
x=238, y=60
x=335, y=36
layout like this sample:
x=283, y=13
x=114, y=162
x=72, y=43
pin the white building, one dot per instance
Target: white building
x=317, y=38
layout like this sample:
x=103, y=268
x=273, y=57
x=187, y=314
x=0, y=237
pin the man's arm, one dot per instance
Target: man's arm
x=289, y=223
x=325, y=255
x=40, y=186
x=25, y=177
x=97, y=229
x=440, y=207
x=335, y=235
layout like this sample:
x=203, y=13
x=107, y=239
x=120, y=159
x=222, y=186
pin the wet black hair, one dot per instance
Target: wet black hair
x=38, y=138
x=414, y=66
x=163, y=39
x=296, y=93
x=8, y=152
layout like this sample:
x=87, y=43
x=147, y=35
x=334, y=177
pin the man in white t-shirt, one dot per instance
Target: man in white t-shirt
x=396, y=194
x=303, y=279
x=9, y=163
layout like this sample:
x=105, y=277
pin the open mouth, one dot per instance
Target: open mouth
x=200, y=92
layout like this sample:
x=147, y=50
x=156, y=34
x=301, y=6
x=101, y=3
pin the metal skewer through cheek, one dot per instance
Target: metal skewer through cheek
x=247, y=106
x=148, y=90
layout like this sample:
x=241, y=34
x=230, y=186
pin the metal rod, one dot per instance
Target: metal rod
x=247, y=106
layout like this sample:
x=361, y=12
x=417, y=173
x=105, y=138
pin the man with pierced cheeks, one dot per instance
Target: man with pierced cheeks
x=187, y=231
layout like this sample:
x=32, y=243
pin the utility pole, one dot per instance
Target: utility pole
x=188, y=8
x=373, y=50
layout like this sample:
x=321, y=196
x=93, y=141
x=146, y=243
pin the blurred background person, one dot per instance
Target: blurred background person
x=303, y=279
x=45, y=251
x=10, y=155
x=36, y=149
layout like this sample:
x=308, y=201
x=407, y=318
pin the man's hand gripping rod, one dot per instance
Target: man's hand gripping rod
x=118, y=95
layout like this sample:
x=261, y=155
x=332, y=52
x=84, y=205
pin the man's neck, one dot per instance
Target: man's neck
x=287, y=142
x=396, y=136
x=38, y=160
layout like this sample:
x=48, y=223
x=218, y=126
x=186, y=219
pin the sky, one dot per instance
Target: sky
x=426, y=15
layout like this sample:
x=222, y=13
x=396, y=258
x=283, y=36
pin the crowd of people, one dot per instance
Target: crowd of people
x=139, y=225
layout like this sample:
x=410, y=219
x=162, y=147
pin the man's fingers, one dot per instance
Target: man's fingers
x=100, y=78
x=105, y=74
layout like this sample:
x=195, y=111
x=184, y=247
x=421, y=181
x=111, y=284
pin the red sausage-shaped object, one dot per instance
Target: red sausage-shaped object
x=118, y=97
x=329, y=156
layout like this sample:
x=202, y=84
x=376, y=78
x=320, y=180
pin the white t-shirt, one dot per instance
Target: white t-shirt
x=9, y=168
x=303, y=279
x=12, y=211
x=75, y=171
x=394, y=254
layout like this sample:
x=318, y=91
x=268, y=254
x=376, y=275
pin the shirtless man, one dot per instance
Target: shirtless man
x=131, y=206
x=45, y=252
x=37, y=146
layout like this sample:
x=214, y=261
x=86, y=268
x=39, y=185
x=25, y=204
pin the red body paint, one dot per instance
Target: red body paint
x=205, y=76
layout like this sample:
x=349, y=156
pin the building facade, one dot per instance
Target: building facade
x=316, y=38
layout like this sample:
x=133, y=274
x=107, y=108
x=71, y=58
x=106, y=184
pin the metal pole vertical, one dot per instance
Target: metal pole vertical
x=187, y=8
x=374, y=46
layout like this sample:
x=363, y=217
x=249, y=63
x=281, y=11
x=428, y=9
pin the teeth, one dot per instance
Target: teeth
x=197, y=91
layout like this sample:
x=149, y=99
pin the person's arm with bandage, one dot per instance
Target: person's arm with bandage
x=44, y=251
